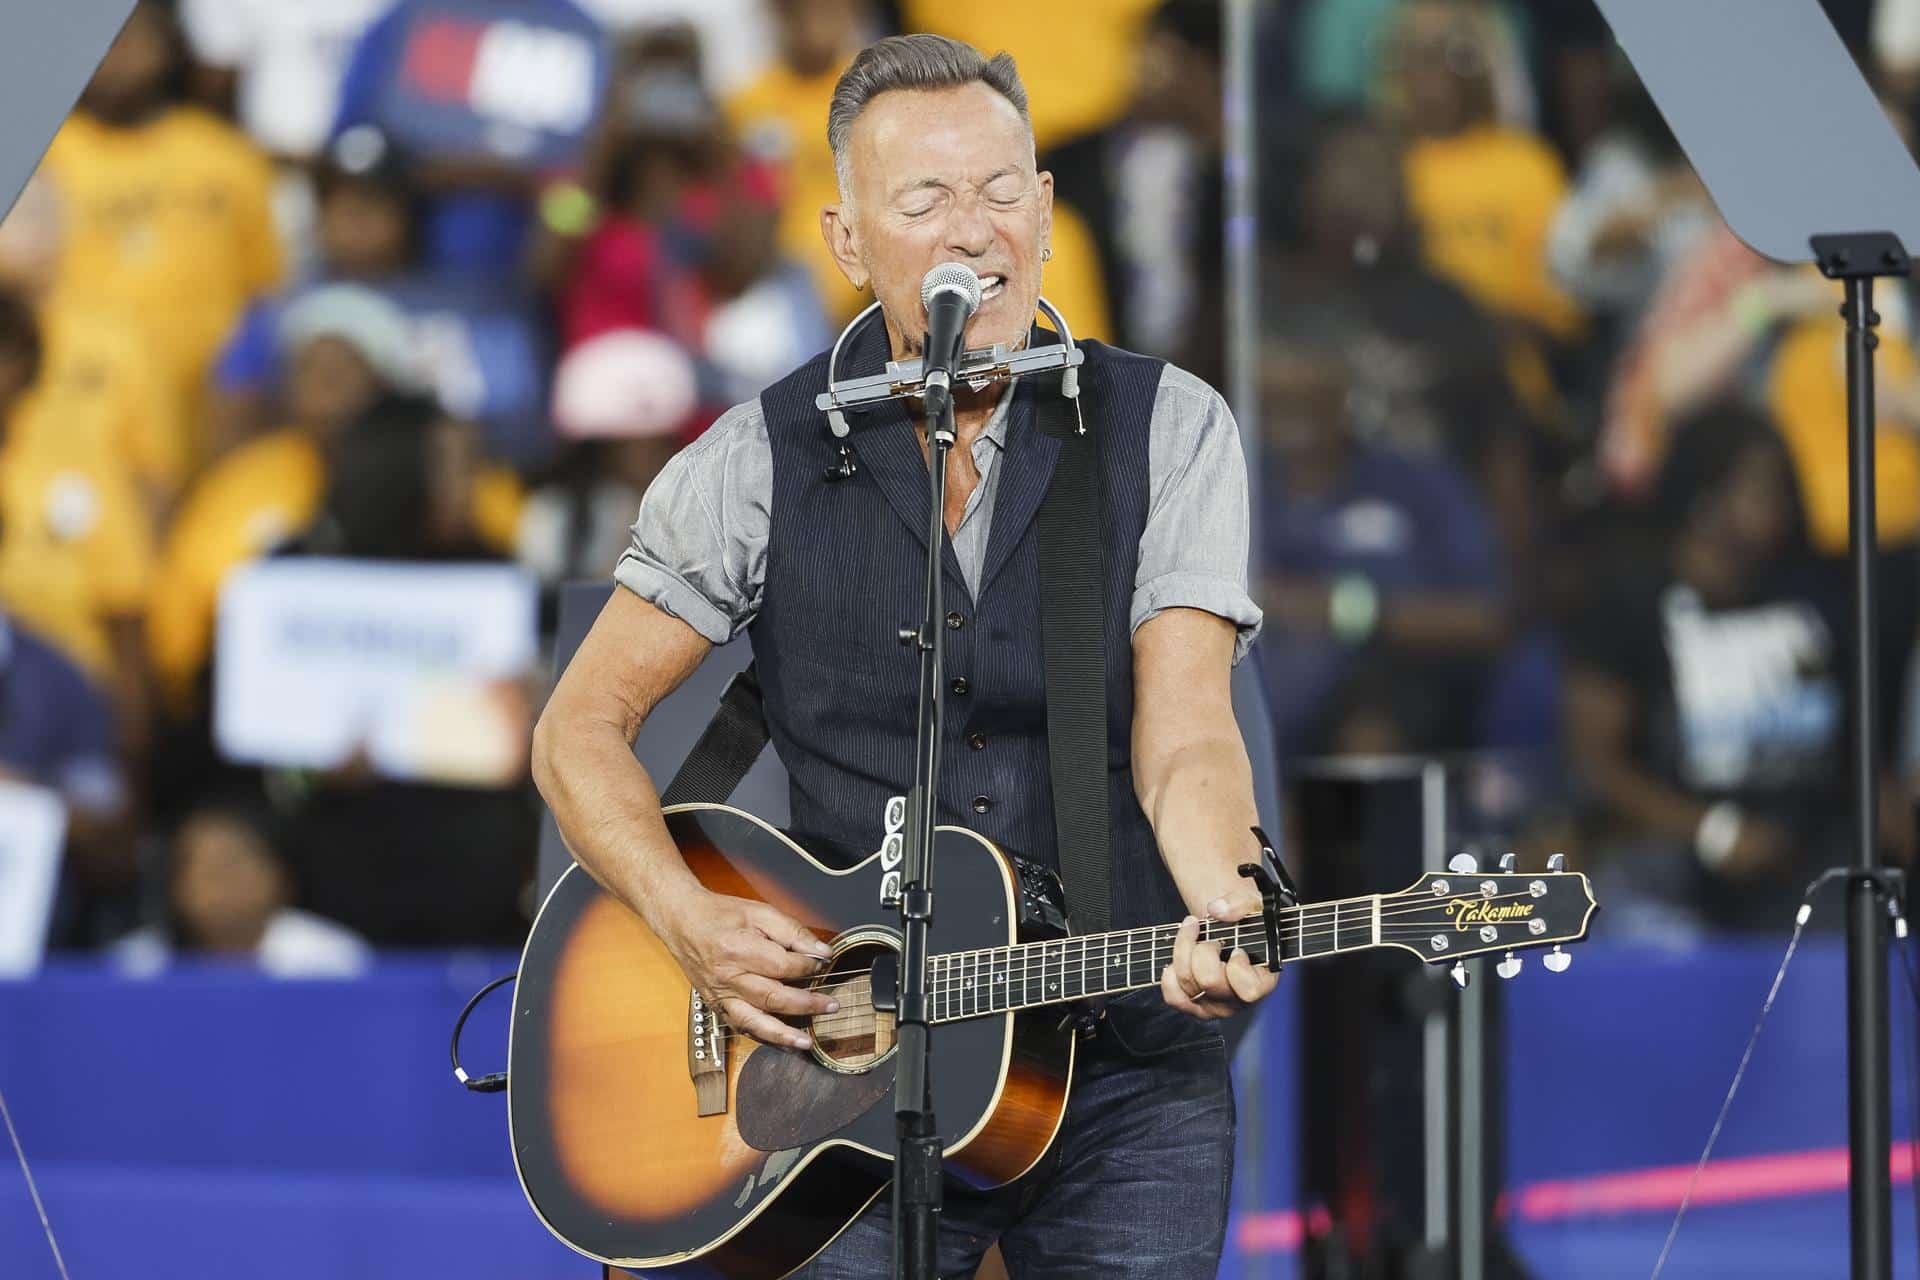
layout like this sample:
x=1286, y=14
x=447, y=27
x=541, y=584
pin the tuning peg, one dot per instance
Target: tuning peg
x=1509, y=966
x=1508, y=863
x=1463, y=864
x=1556, y=862
x=1557, y=960
x=1460, y=975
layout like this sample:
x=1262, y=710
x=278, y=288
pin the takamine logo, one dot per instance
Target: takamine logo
x=1468, y=912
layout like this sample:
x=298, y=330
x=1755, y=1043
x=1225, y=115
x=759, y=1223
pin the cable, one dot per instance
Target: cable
x=33, y=1189
x=1799, y=927
x=497, y=1081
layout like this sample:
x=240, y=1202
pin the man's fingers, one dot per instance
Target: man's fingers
x=777, y=998
x=1183, y=941
x=1248, y=983
x=762, y=955
x=1208, y=971
x=787, y=931
x=762, y=1026
x=1237, y=905
x=1176, y=996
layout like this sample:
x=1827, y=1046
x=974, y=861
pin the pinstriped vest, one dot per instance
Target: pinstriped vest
x=845, y=564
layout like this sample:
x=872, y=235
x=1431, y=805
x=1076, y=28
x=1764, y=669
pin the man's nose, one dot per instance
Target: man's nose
x=969, y=230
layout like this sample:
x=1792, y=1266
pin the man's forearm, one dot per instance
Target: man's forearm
x=1201, y=809
x=608, y=812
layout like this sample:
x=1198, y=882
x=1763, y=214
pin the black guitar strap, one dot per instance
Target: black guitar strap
x=1073, y=633
x=727, y=748
x=1072, y=583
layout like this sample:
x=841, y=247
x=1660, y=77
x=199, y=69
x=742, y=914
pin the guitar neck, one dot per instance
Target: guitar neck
x=969, y=984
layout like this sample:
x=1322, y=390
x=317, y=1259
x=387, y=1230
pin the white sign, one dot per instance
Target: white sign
x=33, y=829
x=415, y=668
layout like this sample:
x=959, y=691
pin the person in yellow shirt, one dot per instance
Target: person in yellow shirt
x=165, y=211
x=76, y=550
x=777, y=118
x=348, y=353
x=1078, y=60
x=1483, y=194
x=99, y=396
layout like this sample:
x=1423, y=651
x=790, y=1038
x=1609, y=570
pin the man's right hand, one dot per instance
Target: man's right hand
x=738, y=953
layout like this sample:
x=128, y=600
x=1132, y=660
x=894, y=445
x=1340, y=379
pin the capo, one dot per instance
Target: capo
x=1277, y=890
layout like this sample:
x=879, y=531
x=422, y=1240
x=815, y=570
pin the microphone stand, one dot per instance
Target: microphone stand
x=916, y=1198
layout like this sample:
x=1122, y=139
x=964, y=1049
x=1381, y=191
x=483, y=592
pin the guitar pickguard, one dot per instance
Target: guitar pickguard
x=786, y=1099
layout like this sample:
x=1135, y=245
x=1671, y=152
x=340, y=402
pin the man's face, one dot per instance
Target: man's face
x=944, y=175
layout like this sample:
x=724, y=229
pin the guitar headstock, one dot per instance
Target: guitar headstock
x=1448, y=916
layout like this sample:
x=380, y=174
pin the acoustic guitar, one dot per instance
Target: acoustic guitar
x=648, y=1135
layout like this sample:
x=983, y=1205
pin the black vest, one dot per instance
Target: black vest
x=845, y=569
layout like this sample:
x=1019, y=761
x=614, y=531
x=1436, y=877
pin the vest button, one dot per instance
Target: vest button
x=956, y=620
x=978, y=741
x=959, y=686
x=981, y=804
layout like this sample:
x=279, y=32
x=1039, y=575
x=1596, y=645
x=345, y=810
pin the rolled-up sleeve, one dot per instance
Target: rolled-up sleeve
x=1193, y=551
x=699, y=547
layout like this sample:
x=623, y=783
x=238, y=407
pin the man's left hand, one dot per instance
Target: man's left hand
x=1202, y=982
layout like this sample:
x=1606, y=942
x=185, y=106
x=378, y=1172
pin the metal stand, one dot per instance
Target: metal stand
x=1856, y=260
x=916, y=1198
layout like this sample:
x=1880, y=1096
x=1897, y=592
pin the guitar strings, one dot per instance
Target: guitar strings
x=1239, y=933
x=1314, y=921
x=850, y=1018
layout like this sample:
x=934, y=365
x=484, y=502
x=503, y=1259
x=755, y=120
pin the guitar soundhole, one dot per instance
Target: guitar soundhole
x=855, y=1036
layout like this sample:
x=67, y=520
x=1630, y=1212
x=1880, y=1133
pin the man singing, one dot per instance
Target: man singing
x=746, y=530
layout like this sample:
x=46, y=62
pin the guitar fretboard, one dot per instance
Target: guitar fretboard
x=968, y=984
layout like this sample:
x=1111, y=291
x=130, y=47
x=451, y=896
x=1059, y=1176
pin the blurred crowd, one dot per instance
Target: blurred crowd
x=1550, y=468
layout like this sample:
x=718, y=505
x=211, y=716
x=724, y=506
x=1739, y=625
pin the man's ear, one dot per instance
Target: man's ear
x=836, y=227
x=1046, y=206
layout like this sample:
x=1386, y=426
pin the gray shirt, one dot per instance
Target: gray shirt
x=699, y=548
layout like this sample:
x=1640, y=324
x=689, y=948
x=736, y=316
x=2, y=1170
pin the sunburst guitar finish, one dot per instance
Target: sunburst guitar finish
x=629, y=1159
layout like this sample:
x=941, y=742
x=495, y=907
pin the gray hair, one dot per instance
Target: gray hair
x=913, y=62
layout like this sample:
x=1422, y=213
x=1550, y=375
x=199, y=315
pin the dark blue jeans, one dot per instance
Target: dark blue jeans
x=1135, y=1184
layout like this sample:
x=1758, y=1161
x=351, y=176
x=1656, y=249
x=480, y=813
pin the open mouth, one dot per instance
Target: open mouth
x=991, y=286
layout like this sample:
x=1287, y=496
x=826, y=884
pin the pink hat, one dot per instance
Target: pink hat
x=623, y=384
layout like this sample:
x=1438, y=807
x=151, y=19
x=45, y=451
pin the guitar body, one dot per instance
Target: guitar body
x=607, y=1134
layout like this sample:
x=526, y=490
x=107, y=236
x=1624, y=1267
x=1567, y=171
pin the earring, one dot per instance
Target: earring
x=1046, y=254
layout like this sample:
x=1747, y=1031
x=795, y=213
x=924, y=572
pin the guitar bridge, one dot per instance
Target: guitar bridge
x=706, y=1056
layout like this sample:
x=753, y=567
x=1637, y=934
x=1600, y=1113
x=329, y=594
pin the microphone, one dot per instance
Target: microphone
x=951, y=294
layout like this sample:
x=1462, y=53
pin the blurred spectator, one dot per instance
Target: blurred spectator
x=738, y=38
x=279, y=64
x=407, y=864
x=622, y=398
x=486, y=99
x=1806, y=391
x=1079, y=59
x=1151, y=191
x=1427, y=365
x=684, y=240
x=781, y=118
x=57, y=731
x=345, y=350
x=76, y=548
x=1344, y=48
x=1637, y=209
x=164, y=209
x=1482, y=192
x=1383, y=580
x=99, y=401
x=1705, y=708
x=476, y=341
x=229, y=894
